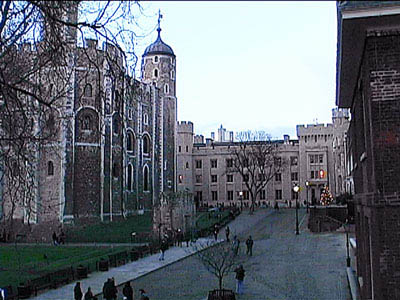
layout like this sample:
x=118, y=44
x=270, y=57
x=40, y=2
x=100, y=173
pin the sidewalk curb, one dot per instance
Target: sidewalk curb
x=352, y=281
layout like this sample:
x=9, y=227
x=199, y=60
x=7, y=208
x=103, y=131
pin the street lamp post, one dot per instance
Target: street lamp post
x=307, y=186
x=296, y=190
x=347, y=244
x=241, y=200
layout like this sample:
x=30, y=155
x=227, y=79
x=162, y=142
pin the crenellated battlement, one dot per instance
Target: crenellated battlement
x=185, y=127
x=311, y=129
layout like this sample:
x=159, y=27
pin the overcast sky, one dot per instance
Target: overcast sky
x=249, y=65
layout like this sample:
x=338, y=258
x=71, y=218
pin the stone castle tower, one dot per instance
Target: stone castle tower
x=114, y=151
x=159, y=69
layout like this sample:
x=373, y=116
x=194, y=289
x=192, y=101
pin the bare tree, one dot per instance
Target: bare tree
x=218, y=258
x=256, y=158
x=38, y=79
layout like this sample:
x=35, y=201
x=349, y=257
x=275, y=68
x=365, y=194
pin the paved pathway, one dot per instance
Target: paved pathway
x=284, y=266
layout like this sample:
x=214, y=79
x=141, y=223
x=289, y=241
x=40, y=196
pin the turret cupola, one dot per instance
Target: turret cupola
x=158, y=47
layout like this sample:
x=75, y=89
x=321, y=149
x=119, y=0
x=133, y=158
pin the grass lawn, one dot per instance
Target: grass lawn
x=21, y=263
x=112, y=232
x=208, y=219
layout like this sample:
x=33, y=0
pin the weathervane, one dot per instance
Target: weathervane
x=159, y=19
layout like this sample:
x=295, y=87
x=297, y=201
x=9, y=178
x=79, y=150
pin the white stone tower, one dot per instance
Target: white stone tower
x=159, y=69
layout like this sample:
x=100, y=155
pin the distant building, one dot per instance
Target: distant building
x=368, y=83
x=202, y=165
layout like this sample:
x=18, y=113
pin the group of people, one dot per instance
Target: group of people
x=78, y=293
x=58, y=239
x=236, y=243
x=110, y=292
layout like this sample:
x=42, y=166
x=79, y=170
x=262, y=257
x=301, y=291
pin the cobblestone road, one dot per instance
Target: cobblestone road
x=283, y=266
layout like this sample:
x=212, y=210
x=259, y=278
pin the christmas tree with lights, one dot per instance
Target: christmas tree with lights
x=326, y=196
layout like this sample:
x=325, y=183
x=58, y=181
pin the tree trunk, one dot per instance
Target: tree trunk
x=220, y=282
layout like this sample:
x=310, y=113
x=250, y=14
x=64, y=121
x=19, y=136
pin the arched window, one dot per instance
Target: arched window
x=172, y=75
x=166, y=88
x=115, y=170
x=86, y=123
x=156, y=73
x=146, y=144
x=115, y=124
x=88, y=90
x=145, y=119
x=156, y=59
x=129, y=178
x=50, y=168
x=130, y=142
x=146, y=179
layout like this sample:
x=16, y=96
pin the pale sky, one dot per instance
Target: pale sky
x=249, y=65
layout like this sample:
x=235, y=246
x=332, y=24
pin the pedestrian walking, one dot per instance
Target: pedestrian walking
x=78, y=291
x=235, y=245
x=88, y=294
x=108, y=292
x=239, y=279
x=249, y=244
x=55, y=239
x=216, y=230
x=143, y=295
x=163, y=248
x=127, y=291
x=227, y=232
x=113, y=290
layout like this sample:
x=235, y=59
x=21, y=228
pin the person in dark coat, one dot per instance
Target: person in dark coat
x=55, y=239
x=88, y=294
x=113, y=290
x=249, y=244
x=107, y=290
x=239, y=279
x=216, y=230
x=163, y=248
x=128, y=291
x=227, y=232
x=77, y=291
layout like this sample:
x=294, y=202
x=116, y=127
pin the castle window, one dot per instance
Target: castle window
x=172, y=75
x=187, y=165
x=146, y=145
x=155, y=73
x=50, y=168
x=179, y=148
x=145, y=119
x=86, y=123
x=187, y=148
x=115, y=124
x=166, y=88
x=130, y=142
x=115, y=170
x=129, y=178
x=155, y=59
x=146, y=179
x=180, y=178
x=88, y=90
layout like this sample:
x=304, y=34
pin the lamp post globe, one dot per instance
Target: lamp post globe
x=307, y=186
x=296, y=189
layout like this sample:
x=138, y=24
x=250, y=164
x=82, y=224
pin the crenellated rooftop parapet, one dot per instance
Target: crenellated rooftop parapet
x=313, y=129
x=185, y=127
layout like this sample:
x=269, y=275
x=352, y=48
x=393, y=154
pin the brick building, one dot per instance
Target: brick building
x=113, y=153
x=368, y=82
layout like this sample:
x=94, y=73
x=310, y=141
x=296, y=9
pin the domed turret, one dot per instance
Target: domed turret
x=158, y=47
